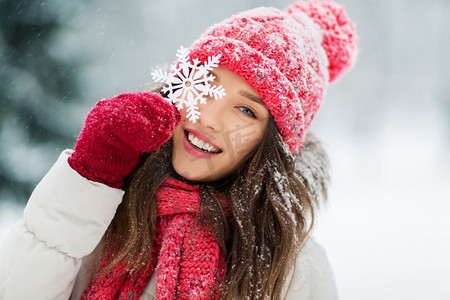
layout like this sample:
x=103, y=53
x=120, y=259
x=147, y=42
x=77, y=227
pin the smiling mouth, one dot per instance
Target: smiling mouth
x=201, y=145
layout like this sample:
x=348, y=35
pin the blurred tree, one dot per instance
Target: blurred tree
x=34, y=84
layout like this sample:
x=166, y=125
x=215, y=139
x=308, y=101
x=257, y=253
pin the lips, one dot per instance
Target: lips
x=202, y=145
x=203, y=137
x=195, y=151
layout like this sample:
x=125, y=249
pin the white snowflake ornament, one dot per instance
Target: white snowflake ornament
x=188, y=83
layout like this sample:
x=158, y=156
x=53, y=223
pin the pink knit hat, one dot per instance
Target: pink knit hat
x=288, y=57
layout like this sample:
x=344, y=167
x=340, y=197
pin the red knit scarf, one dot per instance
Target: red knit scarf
x=186, y=255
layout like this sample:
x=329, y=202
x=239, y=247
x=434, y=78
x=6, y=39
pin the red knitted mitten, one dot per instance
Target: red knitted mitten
x=117, y=131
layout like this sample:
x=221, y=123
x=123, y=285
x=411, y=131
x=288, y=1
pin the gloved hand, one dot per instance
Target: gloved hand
x=117, y=131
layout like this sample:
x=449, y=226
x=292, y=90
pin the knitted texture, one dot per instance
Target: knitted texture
x=117, y=131
x=288, y=57
x=339, y=38
x=188, y=258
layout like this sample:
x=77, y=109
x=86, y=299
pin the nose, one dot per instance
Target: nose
x=212, y=114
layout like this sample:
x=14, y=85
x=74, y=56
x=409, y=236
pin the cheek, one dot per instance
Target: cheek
x=178, y=131
x=246, y=140
x=183, y=115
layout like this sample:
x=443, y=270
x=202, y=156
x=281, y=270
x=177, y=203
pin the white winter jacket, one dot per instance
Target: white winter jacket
x=45, y=255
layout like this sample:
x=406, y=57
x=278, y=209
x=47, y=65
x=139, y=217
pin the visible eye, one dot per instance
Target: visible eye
x=247, y=111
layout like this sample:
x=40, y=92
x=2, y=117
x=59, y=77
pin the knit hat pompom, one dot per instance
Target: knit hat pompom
x=339, y=37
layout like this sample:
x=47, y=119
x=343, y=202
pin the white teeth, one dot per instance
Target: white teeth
x=201, y=144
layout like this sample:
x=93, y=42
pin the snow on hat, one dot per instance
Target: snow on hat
x=288, y=57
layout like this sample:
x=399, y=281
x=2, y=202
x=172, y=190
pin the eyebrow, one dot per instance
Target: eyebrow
x=252, y=97
x=246, y=94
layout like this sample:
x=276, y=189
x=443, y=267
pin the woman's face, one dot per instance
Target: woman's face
x=231, y=127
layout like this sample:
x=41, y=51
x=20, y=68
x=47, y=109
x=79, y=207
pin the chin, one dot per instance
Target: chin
x=194, y=177
x=185, y=172
x=187, y=175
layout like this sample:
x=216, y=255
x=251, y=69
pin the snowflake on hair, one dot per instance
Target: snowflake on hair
x=188, y=84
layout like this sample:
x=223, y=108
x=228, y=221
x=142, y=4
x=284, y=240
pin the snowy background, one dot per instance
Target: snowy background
x=386, y=124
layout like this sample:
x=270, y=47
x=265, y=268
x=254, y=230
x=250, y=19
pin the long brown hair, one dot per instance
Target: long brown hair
x=272, y=196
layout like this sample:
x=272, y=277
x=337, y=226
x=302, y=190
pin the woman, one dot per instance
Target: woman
x=214, y=199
